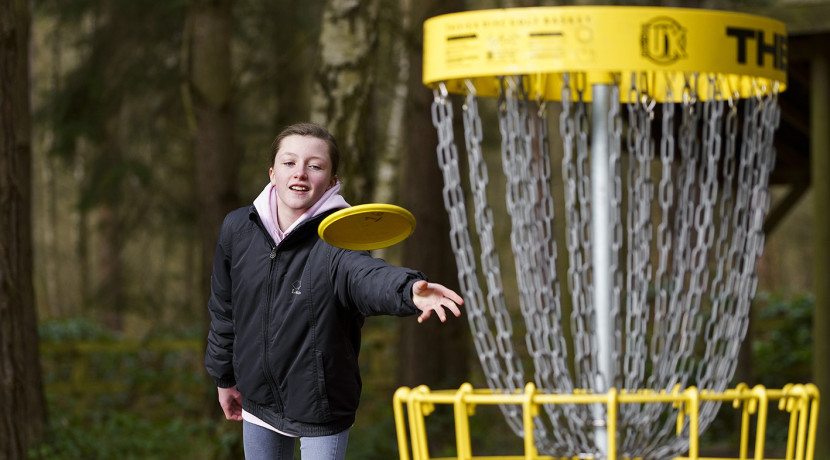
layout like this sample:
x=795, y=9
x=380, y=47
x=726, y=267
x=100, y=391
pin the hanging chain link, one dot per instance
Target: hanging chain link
x=567, y=421
x=502, y=378
x=576, y=176
x=573, y=131
x=479, y=179
x=535, y=271
x=641, y=193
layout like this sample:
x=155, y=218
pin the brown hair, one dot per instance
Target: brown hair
x=311, y=130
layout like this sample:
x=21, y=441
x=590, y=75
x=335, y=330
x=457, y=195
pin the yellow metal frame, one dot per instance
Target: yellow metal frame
x=656, y=48
x=413, y=406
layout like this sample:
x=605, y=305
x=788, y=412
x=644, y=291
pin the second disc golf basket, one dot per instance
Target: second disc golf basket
x=664, y=148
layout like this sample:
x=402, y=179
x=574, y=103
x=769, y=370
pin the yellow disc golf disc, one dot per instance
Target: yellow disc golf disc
x=367, y=226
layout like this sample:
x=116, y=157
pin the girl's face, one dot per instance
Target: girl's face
x=302, y=174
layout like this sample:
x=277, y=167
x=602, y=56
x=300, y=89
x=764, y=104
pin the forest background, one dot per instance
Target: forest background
x=152, y=119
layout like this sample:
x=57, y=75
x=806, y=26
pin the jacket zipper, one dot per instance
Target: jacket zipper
x=272, y=383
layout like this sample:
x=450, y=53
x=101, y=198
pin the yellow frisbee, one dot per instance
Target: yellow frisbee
x=367, y=226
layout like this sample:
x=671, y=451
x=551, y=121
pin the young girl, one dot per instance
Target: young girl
x=287, y=308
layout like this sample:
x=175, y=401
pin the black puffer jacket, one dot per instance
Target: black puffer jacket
x=285, y=321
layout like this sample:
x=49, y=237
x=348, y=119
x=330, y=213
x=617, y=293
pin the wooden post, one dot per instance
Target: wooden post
x=820, y=170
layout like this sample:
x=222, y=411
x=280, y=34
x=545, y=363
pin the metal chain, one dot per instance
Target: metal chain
x=639, y=234
x=664, y=232
x=454, y=203
x=685, y=291
x=678, y=318
x=576, y=174
x=704, y=224
x=521, y=201
x=491, y=267
x=565, y=419
x=572, y=126
x=759, y=157
x=646, y=433
x=552, y=309
x=535, y=294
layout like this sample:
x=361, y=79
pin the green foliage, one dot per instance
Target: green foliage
x=373, y=435
x=77, y=328
x=782, y=346
x=113, y=398
x=138, y=400
x=103, y=433
x=782, y=349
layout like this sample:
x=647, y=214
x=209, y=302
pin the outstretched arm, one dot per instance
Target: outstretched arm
x=429, y=297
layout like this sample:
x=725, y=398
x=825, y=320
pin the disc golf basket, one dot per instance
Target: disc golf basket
x=632, y=322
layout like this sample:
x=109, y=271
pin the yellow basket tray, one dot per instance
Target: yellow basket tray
x=412, y=406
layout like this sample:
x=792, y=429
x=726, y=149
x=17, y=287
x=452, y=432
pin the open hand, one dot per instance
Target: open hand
x=429, y=297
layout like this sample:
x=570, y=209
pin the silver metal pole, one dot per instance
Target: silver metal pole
x=601, y=235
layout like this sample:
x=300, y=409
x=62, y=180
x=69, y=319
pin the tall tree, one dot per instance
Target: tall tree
x=22, y=413
x=275, y=58
x=297, y=43
x=110, y=289
x=429, y=248
x=345, y=81
x=392, y=81
x=210, y=94
x=111, y=113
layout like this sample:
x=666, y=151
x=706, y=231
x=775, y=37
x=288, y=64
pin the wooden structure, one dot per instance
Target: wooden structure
x=803, y=163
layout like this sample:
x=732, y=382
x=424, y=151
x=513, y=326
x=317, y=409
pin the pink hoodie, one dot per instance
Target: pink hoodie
x=266, y=206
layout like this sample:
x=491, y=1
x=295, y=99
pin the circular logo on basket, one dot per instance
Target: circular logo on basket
x=663, y=40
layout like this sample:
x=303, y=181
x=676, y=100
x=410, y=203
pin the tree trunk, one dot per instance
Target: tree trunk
x=22, y=411
x=52, y=296
x=210, y=94
x=388, y=170
x=432, y=353
x=81, y=224
x=293, y=82
x=109, y=293
x=345, y=81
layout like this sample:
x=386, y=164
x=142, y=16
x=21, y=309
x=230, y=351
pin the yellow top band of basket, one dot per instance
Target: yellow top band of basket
x=655, y=48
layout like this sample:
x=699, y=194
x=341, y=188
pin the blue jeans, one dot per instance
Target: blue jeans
x=263, y=444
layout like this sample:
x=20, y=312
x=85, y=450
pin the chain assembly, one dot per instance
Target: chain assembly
x=687, y=193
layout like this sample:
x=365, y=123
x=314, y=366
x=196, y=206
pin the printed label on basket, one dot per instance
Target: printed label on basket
x=606, y=44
